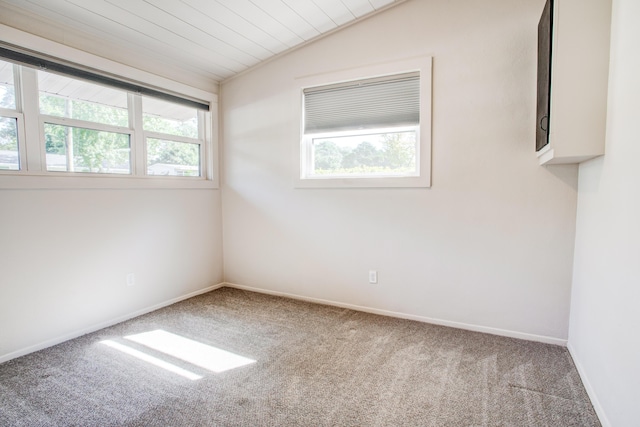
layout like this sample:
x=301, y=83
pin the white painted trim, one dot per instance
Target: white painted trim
x=590, y=390
x=431, y=320
x=545, y=154
x=17, y=180
x=105, y=324
x=174, y=138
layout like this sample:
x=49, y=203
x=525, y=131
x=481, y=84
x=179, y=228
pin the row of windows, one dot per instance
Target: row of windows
x=55, y=124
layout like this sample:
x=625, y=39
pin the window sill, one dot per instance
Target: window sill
x=19, y=181
x=378, y=182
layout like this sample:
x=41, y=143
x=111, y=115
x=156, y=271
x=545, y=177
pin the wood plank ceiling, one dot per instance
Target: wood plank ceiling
x=197, y=40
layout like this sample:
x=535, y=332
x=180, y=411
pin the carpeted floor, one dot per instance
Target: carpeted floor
x=314, y=366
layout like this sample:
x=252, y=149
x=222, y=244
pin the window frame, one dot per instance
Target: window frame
x=203, y=129
x=303, y=149
x=31, y=143
x=19, y=117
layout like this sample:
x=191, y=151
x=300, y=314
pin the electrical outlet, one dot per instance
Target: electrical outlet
x=373, y=276
x=131, y=279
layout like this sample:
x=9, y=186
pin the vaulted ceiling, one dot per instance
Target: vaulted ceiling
x=201, y=42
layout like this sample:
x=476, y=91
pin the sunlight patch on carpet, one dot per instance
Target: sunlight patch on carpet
x=150, y=359
x=205, y=356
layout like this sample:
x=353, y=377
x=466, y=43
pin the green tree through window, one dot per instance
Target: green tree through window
x=390, y=153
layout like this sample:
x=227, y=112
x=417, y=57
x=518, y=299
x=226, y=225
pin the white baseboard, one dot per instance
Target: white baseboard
x=101, y=325
x=459, y=325
x=587, y=385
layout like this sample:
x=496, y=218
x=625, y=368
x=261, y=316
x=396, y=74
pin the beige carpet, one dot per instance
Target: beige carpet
x=314, y=366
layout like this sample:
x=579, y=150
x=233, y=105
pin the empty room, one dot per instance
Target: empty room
x=319, y=212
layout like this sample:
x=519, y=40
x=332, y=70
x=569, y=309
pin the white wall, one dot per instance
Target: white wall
x=605, y=319
x=65, y=255
x=490, y=245
x=65, y=252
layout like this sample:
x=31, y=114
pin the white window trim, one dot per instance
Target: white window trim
x=423, y=64
x=38, y=178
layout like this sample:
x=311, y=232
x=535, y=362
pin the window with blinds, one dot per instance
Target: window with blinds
x=385, y=102
x=90, y=123
x=366, y=128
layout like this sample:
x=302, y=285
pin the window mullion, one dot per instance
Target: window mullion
x=64, y=121
x=170, y=137
x=28, y=101
x=7, y=112
x=138, y=142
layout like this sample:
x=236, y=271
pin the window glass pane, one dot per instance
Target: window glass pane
x=374, y=154
x=172, y=158
x=76, y=99
x=75, y=149
x=167, y=117
x=9, y=156
x=7, y=88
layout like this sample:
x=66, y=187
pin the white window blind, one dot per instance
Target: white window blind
x=382, y=102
